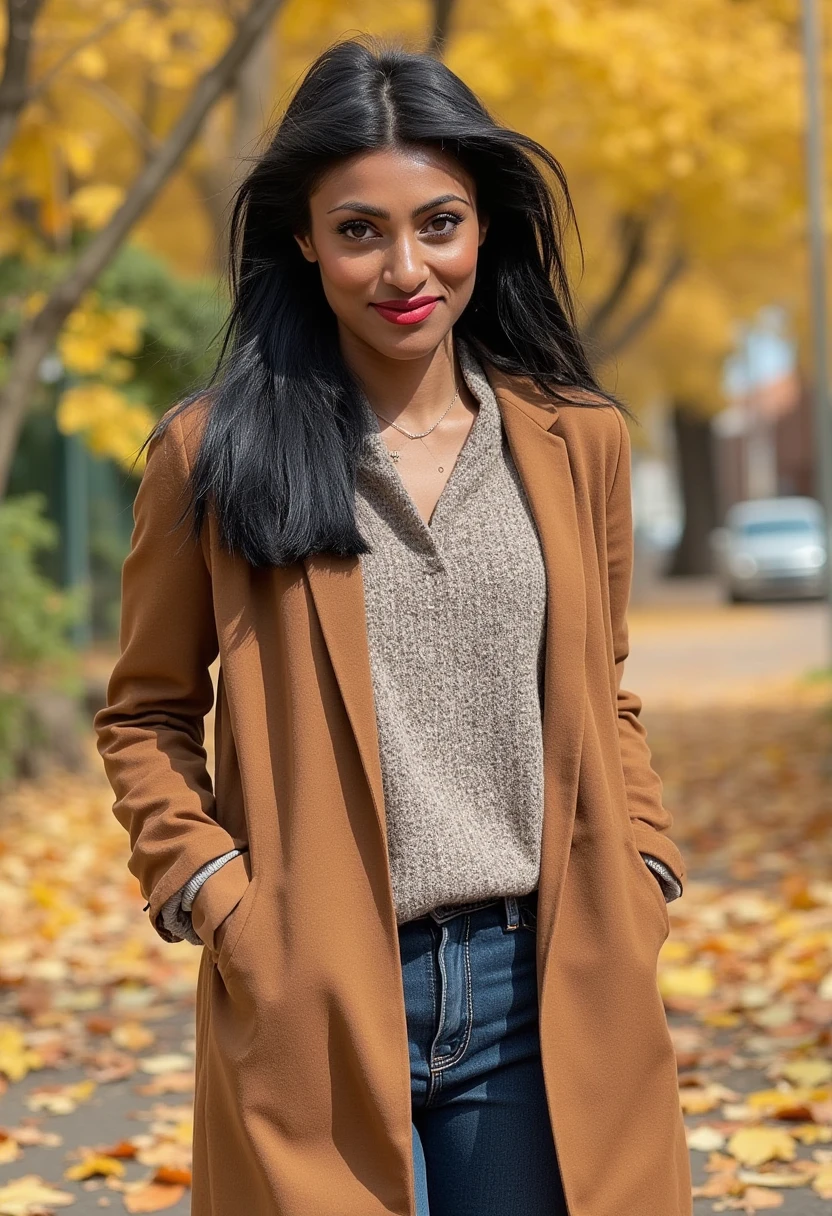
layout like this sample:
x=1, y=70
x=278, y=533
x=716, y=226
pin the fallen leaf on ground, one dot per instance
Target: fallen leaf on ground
x=95, y=1166
x=756, y=1145
x=31, y=1196
x=152, y=1197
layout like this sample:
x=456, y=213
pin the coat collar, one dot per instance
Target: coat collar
x=521, y=393
x=336, y=585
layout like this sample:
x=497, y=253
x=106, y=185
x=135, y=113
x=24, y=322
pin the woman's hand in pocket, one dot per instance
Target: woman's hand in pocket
x=216, y=900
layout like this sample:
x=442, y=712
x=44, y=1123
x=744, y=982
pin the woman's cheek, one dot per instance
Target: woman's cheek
x=459, y=274
x=351, y=279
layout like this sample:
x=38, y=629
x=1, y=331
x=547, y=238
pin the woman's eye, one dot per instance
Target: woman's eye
x=350, y=226
x=443, y=225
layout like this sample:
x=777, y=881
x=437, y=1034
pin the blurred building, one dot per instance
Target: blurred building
x=764, y=442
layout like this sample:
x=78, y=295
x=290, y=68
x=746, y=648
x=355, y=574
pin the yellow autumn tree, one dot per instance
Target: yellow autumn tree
x=100, y=103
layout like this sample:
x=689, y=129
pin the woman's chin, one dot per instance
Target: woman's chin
x=406, y=341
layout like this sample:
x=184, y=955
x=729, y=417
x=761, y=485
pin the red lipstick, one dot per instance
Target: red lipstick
x=407, y=312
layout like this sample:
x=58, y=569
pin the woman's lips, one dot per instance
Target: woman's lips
x=407, y=313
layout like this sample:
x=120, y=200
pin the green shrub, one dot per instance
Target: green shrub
x=35, y=619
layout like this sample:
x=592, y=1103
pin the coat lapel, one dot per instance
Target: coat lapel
x=338, y=591
x=542, y=462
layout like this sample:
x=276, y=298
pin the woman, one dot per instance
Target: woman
x=401, y=518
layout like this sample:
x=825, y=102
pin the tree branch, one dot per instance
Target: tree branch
x=128, y=118
x=21, y=17
x=442, y=11
x=38, y=334
x=675, y=266
x=632, y=238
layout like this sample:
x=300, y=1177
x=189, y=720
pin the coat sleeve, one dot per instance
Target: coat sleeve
x=151, y=731
x=650, y=820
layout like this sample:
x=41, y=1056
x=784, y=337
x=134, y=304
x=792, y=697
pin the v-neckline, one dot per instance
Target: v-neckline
x=381, y=483
x=474, y=440
x=445, y=492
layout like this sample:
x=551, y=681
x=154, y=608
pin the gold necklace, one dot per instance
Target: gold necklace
x=394, y=455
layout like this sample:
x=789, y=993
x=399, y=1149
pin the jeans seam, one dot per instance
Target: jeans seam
x=440, y=958
x=469, y=997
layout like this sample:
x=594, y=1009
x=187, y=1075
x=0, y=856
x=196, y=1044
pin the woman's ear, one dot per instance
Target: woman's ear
x=306, y=247
x=483, y=223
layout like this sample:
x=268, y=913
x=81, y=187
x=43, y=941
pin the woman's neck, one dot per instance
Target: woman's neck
x=413, y=390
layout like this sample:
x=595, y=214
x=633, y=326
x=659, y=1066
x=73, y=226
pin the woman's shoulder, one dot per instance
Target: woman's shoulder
x=587, y=417
x=179, y=431
x=595, y=432
x=583, y=417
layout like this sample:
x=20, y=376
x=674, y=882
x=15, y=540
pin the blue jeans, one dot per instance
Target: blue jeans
x=482, y=1139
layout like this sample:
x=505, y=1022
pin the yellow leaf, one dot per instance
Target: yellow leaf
x=90, y=62
x=16, y=1058
x=694, y=981
x=30, y=1196
x=812, y=1133
x=783, y=1099
x=111, y=425
x=808, y=1072
x=96, y=1166
x=822, y=1181
x=93, y=205
x=756, y=1145
x=79, y=151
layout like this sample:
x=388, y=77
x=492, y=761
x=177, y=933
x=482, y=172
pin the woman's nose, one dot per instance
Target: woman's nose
x=405, y=268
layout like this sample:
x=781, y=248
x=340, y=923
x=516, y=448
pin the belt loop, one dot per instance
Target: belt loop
x=512, y=913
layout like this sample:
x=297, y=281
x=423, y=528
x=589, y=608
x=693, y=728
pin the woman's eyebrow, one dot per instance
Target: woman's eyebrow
x=380, y=213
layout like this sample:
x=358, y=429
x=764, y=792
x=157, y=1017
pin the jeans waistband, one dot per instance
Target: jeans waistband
x=510, y=905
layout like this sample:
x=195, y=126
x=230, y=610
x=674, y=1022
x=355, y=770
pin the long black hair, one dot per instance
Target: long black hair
x=283, y=429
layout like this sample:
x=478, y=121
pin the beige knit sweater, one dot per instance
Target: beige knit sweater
x=456, y=623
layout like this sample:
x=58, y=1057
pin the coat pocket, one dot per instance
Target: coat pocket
x=231, y=929
x=217, y=900
x=645, y=875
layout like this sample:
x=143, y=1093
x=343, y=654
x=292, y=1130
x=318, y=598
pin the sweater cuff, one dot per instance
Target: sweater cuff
x=667, y=880
x=175, y=914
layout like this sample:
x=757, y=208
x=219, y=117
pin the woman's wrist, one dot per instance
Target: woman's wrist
x=175, y=914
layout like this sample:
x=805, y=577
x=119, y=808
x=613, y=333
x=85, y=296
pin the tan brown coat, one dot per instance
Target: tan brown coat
x=303, y=1084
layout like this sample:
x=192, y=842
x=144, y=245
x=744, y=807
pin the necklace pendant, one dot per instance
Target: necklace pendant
x=394, y=456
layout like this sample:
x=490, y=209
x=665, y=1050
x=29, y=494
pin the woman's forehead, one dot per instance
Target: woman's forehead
x=402, y=176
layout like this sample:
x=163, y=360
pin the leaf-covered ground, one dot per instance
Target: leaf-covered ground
x=96, y=1026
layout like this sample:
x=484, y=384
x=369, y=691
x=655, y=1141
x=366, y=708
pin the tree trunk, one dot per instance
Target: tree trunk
x=226, y=152
x=697, y=479
x=441, y=27
x=14, y=83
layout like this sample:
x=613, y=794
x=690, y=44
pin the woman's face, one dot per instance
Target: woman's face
x=395, y=234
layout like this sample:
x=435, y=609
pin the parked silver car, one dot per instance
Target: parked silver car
x=772, y=547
